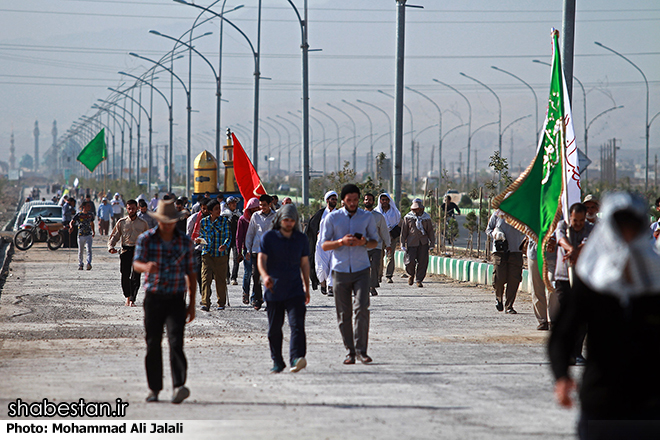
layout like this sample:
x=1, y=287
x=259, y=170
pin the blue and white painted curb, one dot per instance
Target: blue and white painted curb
x=464, y=270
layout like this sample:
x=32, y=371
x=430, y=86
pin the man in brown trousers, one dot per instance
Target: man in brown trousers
x=417, y=237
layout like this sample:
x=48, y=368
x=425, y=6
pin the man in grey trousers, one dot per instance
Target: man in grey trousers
x=350, y=232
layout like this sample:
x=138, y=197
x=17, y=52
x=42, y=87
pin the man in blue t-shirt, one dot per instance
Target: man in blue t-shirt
x=283, y=257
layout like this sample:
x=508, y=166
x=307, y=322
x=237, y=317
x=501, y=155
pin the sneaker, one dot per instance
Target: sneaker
x=220, y=308
x=330, y=291
x=511, y=311
x=277, y=368
x=298, y=364
x=80, y=267
x=234, y=283
x=205, y=309
x=411, y=280
x=89, y=267
x=152, y=396
x=180, y=394
x=389, y=280
x=499, y=306
x=324, y=290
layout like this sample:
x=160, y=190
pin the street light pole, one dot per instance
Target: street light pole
x=499, y=131
x=322, y=128
x=389, y=121
x=354, y=133
x=171, y=120
x=369, y=167
x=439, y=125
x=412, y=142
x=646, y=125
x=288, y=143
x=338, y=137
x=536, y=100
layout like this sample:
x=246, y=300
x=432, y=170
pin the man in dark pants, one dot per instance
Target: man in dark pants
x=282, y=260
x=312, y=233
x=349, y=232
x=260, y=223
x=192, y=227
x=507, y=261
x=127, y=230
x=166, y=256
x=571, y=238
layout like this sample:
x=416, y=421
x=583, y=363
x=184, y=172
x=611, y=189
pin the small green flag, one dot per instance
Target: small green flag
x=541, y=196
x=94, y=153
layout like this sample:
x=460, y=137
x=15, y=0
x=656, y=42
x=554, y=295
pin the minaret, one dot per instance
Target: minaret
x=36, y=145
x=55, y=154
x=54, y=133
x=12, y=149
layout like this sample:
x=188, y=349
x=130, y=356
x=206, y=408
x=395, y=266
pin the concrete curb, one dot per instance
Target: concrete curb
x=464, y=270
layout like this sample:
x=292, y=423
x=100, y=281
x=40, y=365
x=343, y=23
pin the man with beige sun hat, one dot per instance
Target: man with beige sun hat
x=166, y=257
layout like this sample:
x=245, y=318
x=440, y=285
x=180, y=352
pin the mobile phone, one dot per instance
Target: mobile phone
x=358, y=236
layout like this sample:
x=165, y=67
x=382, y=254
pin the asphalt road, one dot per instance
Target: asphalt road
x=446, y=364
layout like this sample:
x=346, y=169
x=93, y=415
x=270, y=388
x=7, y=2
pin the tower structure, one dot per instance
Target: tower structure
x=36, y=146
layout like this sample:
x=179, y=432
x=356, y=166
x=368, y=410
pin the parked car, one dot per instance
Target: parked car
x=49, y=213
x=20, y=218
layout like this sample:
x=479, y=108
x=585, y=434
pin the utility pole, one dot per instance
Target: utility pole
x=568, y=37
x=398, y=102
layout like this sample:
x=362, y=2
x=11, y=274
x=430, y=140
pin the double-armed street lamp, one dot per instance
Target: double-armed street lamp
x=354, y=132
x=439, y=124
x=647, y=125
x=369, y=167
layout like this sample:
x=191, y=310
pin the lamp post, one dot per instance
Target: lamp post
x=338, y=137
x=647, y=125
x=469, y=124
x=150, y=132
x=322, y=128
x=311, y=140
x=389, y=121
x=472, y=135
x=279, y=144
x=294, y=126
x=439, y=124
x=304, y=46
x=354, y=133
x=189, y=110
x=130, y=138
x=499, y=118
x=218, y=92
x=412, y=141
x=130, y=135
x=369, y=168
x=288, y=139
x=257, y=73
x=536, y=100
x=171, y=120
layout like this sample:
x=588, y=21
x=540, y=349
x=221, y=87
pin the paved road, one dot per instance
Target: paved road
x=446, y=364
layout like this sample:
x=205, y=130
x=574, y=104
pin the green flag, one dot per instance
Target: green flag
x=538, y=199
x=94, y=153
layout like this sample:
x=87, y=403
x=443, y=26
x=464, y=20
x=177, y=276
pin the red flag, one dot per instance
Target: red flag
x=249, y=183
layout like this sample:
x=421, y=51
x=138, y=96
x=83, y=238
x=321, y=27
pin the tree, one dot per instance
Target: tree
x=26, y=161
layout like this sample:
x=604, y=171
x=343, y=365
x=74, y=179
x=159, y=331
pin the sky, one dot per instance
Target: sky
x=59, y=58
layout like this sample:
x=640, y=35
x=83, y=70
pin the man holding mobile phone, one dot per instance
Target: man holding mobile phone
x=350, y=232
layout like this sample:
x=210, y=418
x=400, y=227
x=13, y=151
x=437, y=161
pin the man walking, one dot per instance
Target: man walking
x=284, y=265
x=143, y=213
x=192, y=230
x=214, y=230
x=260, y=223
x=232, y=214
x=68, y=211
x=153, y=203
x=375, y=254
x=126, y=232
x=507, y=260
x=167, y=259
x=84, y=220
x=104, y=214
x=417, y=237
x=251, y=207
x=349, y=232
x=387, y=207
x=312, y=232
x=117, y=209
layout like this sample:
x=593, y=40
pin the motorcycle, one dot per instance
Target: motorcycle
x=33, y=231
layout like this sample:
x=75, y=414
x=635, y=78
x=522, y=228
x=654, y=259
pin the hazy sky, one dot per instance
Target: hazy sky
x=59, y=57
